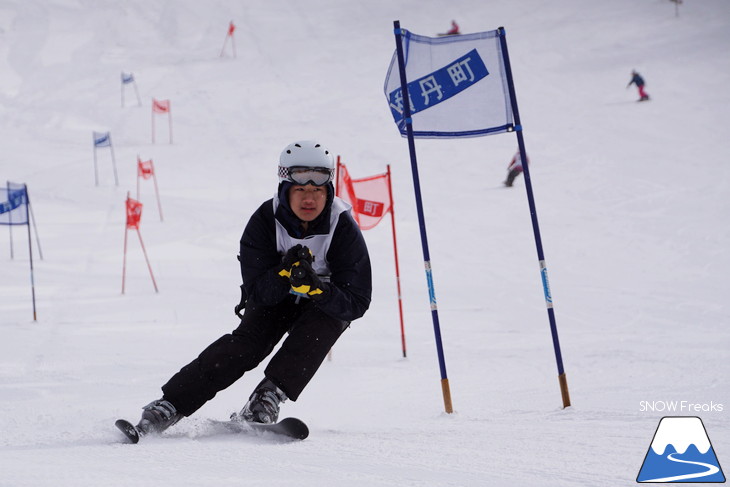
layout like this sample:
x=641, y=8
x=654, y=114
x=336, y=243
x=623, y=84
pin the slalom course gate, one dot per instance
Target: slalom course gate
x=15, y=209
x=452, y=87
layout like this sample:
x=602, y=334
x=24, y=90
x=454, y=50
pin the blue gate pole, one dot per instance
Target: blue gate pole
x=421, y=220
x=535, y=226
x=30, y=249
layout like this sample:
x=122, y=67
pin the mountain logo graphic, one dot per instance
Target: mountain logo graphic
x=681, y=452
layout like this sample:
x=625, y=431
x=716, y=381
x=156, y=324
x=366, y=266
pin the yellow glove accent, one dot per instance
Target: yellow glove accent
x=306, y=289
x=303, y=289
x=287, y=273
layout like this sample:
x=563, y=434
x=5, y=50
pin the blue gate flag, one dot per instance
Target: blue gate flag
x=127, y=78
x=440, y=85
x=13, y=204
x=457, y=86
x=102, y=139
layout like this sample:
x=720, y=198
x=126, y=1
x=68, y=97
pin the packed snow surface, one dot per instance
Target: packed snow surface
x=632, y=201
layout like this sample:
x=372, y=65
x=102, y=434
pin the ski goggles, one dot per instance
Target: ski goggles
x=317, y=176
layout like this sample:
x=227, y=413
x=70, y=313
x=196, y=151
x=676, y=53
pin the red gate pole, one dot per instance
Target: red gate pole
x=397, y=270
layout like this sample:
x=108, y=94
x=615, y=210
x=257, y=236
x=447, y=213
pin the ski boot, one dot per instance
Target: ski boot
x=158, y=416
x=262, y=405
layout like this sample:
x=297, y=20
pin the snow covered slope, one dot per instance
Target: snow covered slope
x=632, y=201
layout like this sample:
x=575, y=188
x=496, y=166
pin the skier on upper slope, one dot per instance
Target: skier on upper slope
x=639, y=82
x=514, y=169
x=454, y=30
x=306, y=272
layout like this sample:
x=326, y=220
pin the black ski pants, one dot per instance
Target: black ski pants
x=311, y=334
x=512, y=175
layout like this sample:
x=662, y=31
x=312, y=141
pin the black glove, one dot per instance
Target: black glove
x=305, y=281
x=294, y=255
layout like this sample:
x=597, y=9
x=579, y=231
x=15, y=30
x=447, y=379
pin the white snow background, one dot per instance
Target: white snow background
x=632, y=200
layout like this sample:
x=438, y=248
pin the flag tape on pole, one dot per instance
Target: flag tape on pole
x=546, y=284
x=429, y=280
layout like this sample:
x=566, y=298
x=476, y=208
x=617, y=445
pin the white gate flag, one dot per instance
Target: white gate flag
x=457, y=86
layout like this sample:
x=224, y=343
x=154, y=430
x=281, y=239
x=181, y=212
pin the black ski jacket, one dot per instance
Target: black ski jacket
x=348, y=293
x=637, y=79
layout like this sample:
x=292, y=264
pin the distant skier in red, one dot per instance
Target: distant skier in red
x=453, y=31
x=514, y=169
x=639, y=82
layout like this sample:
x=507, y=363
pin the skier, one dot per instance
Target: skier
x=454, y=30
x=639, y=82
x=306, y=272
x=514, y=169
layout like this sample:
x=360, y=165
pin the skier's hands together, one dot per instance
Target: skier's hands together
x=304, y=280
x=294, y=255
x=296, y=266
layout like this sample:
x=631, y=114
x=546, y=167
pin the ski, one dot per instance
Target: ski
x=293, y=428
x=128, y=429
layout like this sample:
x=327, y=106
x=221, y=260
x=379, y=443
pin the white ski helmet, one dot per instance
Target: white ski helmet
x=306, y=162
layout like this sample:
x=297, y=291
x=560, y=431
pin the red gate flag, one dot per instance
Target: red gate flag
x=229, y=34
x=145, y=169
x=134, y=213
x=160, y=106
x=369, y=197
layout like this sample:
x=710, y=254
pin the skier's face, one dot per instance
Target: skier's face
x=308, y=201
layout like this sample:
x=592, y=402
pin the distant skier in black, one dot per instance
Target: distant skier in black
x=306, y=273
x=639, y=82
x=514, y=169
